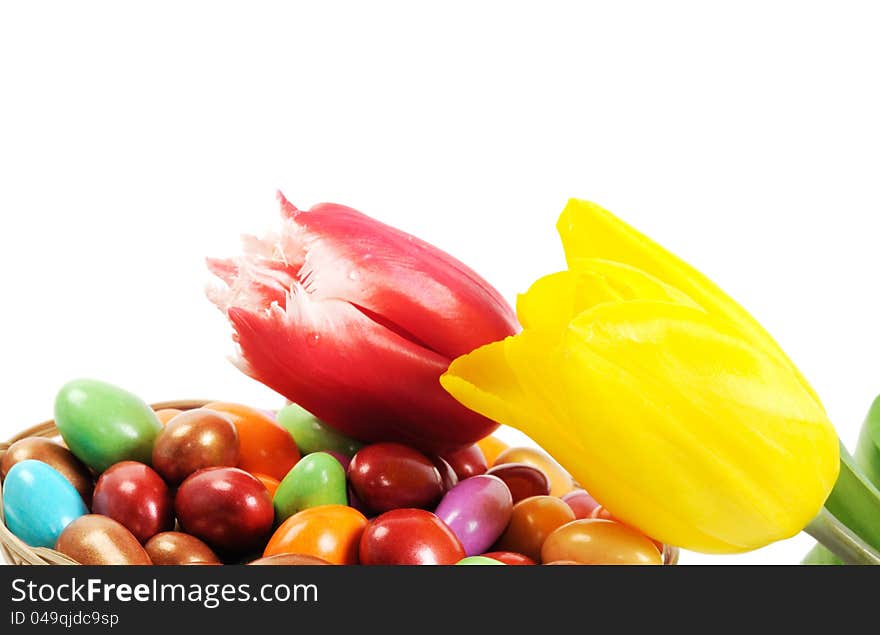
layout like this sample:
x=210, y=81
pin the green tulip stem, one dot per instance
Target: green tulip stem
x=842, y=542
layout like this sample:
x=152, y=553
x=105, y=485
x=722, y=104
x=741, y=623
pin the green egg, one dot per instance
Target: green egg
x=313, y=435
x=103, y=424
x=316, y=479
x=479, y=560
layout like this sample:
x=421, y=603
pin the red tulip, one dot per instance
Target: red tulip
x=356, y=320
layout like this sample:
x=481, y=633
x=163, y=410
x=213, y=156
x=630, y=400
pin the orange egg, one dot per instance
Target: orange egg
x=532, y=520
x=491, y=447
x=270, y=483
x=560, y=480
x=598, y=541
x=603, y=514
x=167, y=414
x=265, y=447
x=329, y=532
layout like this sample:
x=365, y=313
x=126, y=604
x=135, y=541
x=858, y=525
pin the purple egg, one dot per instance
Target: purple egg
x=477, y=511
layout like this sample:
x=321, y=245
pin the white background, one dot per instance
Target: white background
x=136, y=141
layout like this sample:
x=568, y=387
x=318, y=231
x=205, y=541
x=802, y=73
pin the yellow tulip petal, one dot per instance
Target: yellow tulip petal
x=552, y=301
x=589, y=231
x=689, y=432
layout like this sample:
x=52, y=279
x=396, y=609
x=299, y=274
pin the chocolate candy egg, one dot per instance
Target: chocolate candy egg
x=581, y=503
x=467, y=462
x=329, y=532
x=390, y=475
x=447, y=474
x=409, y=536
x=97, y=540
x=288, y=559
x=560, y=480
x=317, y=479
x=136, y=496
x=226, y=507
x=193, y=440
x=53, y=454
x=313, y=435
x=264, y=446
x=597, y=541
x=478, y=560
x=531, y=521
x=510, y=557
x=476, y=510
x=38, y=503
x=175, y=547
x=522, y=480
x=103, y=424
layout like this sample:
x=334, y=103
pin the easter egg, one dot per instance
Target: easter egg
x=391, y=475
x=38, y=503
x=54, y=454
x=477, y=511
x=193, y=440
x=560, y=480
x=581, y=503
x=175, y=547
x=598, y=541
x=510, y=557
x=97, y=540
x=491, y=447
x=288, y=559
x=478, y=560
x=447, y=474
x=103, y=424
x=226, y=507
x=467, y=462
x=313, y=435
x=409, y=536
x=136, y=496
x=329, y=532
x=522, y=480
x=531, y=521
x=316, y=479
x=264, y=446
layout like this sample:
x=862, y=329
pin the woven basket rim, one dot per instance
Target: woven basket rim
x=14, y=550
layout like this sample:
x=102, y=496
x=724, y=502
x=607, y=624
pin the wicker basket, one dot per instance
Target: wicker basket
x=11, y=547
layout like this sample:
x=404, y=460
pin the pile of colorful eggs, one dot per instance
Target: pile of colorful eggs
x=226, y=483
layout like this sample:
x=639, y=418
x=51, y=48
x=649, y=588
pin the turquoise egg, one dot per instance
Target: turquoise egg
x=38, y=503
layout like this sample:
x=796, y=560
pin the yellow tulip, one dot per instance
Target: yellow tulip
x=661, y=395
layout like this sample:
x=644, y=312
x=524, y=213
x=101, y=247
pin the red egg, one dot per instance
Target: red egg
x=447, y=474
x=522, y=480
x=227, y=508
x=387, y=476
x=467, y=462
x=409, y=536
x=134, y=495
x=509, y=557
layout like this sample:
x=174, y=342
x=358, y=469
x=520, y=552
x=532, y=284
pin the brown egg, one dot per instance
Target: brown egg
x=175, y=547
x=289, y=559
x=560, y=481
x=193, y=440
x=55, y=455
x=99, y=540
